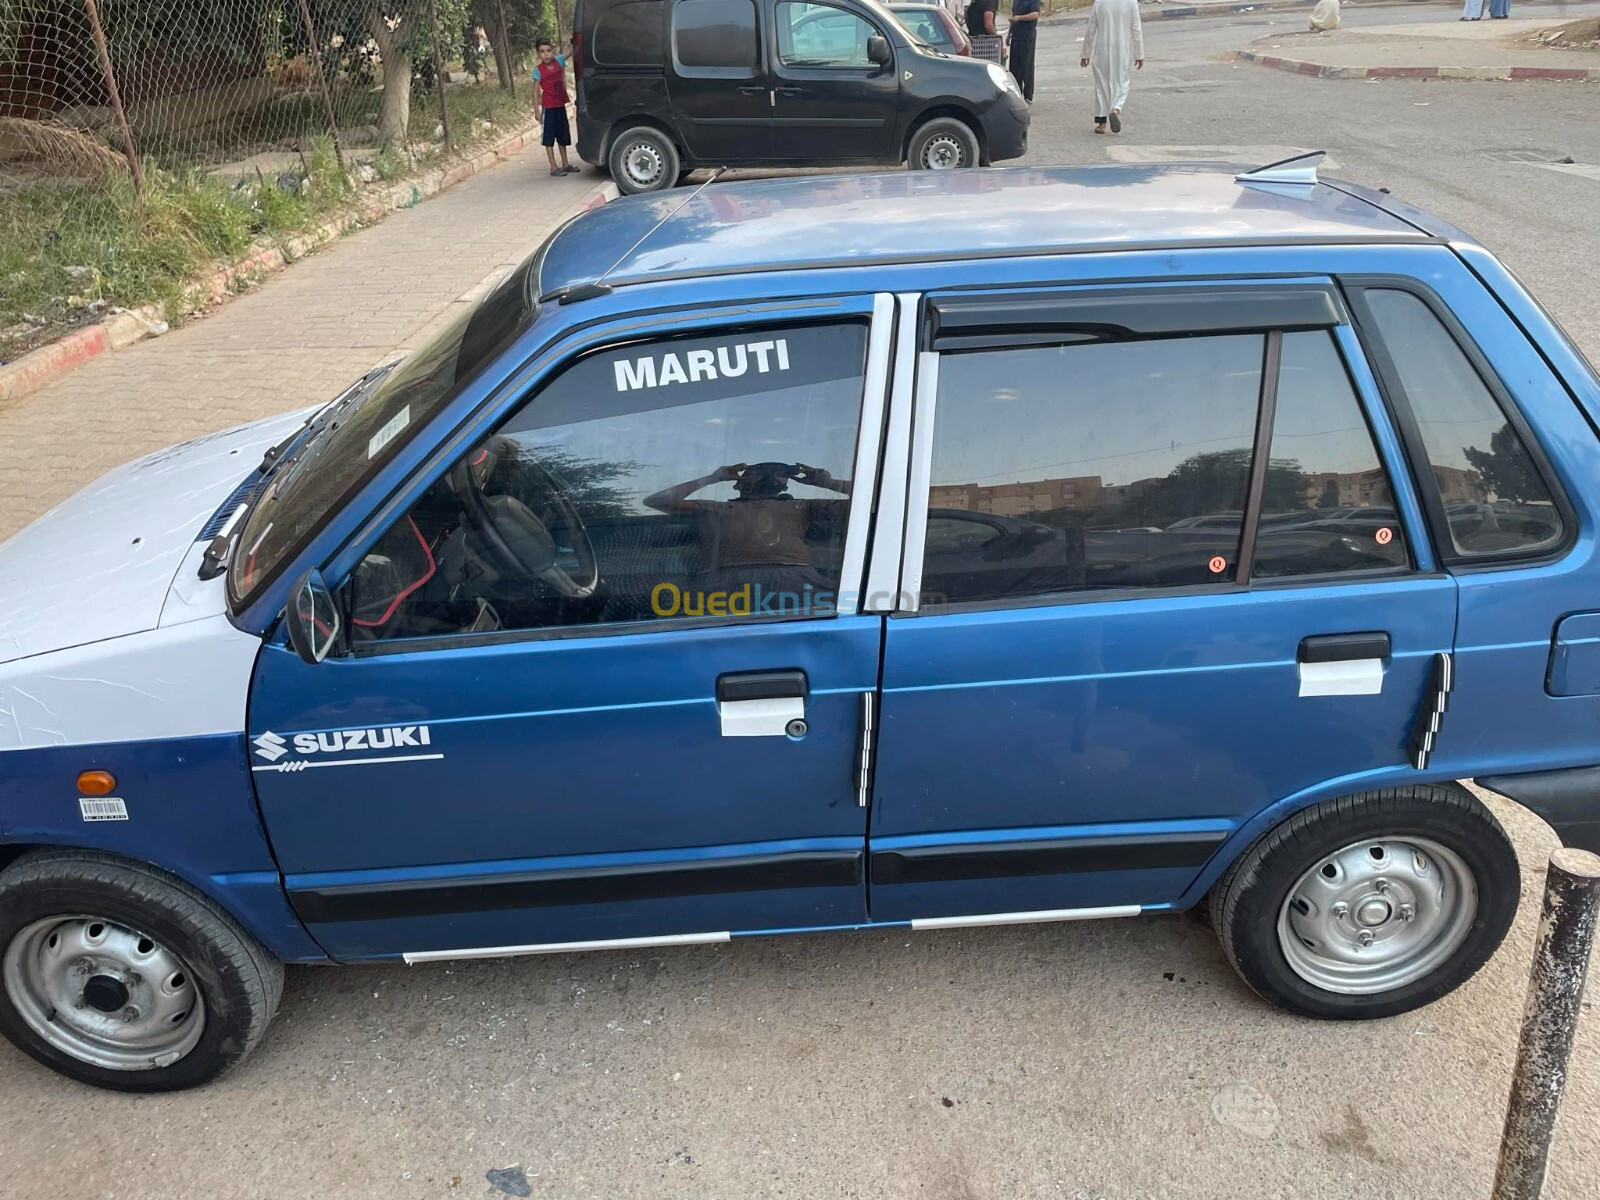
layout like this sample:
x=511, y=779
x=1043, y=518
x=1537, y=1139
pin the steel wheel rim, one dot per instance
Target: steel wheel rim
x=1377, y=915
x=944, y=152
x=103, y=993
x=643, y=164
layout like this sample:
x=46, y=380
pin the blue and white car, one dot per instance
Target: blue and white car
x=807, y=554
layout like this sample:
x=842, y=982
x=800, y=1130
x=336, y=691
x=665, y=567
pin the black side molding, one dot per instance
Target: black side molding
x=998, y=860
x=761, y=685
x=1568, y=800
x=1344, y=647
x=590, y=885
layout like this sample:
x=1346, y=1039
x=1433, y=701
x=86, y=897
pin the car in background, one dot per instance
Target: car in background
x=668, y=86
x=935, y=25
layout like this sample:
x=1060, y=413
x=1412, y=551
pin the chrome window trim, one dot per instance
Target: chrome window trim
x=883, y=592
x=916, y=535
x=869, y=448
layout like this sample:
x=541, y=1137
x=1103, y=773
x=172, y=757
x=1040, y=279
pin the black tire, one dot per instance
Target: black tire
x=1247, y=901
x=238, y=979
x=942, y=144
x=643, y=159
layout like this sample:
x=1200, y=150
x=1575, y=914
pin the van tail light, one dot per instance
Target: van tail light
x=577, y=59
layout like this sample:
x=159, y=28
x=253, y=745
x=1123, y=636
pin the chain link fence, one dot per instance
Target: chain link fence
x=144, y=141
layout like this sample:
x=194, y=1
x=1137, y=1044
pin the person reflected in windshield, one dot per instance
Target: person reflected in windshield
x=759, y=536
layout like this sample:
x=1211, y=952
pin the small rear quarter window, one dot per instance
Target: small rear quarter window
x=1495, y=500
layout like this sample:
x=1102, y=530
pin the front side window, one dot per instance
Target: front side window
x=1495, y=500
x=819, y=35
x=715, y=37
x=705, y=477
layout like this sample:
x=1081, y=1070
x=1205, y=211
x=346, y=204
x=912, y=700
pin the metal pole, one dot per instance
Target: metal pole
x=438, y=76
x=322, y=80
x=1555, y=995
x=116, y=96
x=505, y=47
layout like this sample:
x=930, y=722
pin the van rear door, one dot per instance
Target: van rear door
x=718, y=81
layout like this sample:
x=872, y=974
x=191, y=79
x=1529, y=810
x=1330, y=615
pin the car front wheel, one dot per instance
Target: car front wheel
x=1369, y=905
x=943, y=144
x=124, y=977
x=643, y=159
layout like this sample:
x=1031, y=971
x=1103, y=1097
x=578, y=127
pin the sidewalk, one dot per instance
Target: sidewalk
x=295, y=341
x=1439, y=50
x=1155, y=10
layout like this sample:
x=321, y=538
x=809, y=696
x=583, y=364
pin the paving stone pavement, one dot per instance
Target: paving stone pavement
x=295, y=340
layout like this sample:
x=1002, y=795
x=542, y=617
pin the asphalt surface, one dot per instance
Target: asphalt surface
x=1094, y=1061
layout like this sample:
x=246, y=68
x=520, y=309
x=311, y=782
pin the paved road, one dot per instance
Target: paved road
x=1106, y=1060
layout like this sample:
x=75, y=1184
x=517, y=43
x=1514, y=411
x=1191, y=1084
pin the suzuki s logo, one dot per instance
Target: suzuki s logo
x=344, y=747
x=270, y=746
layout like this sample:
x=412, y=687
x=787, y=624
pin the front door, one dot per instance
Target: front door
x=718, y=82
x=601, y=683
x=1169, y=577
x=830, y=102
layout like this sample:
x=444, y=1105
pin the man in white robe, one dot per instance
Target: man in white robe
x=1325, y=16
x=1114, y=43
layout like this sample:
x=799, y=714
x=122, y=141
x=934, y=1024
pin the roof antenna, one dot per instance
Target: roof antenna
x=598, y=287
x=1298, y=169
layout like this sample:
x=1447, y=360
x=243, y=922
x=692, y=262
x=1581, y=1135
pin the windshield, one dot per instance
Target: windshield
x=368, y=430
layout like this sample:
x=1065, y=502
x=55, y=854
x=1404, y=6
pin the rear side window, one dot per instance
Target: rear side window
x=1107, y=465
x=715, y=37
x=1326, y=503
x=1494, y=499
x=629, y=35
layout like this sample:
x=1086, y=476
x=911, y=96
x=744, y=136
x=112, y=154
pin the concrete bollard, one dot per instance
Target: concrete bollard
x=1555, y=994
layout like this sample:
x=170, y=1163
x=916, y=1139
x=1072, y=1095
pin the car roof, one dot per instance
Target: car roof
x=816, y=221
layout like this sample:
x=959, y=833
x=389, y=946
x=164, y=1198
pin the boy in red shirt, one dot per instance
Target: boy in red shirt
x=550, y=73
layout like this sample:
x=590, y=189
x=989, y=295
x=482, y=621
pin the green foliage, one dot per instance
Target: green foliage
x=391, y=163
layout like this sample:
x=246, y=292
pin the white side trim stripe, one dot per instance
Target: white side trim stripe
x=1027, y=918
x=671, y=939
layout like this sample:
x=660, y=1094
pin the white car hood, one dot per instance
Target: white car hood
x=100, y=565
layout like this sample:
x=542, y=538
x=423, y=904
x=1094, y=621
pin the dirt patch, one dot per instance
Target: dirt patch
x=1575, y=35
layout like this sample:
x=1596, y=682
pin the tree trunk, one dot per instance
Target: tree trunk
x=394, y=116
x=487, y=13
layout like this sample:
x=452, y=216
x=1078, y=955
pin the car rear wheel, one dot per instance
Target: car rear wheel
x=121, y=976
x=1370, y=905
x=943, y=144
x=643, y=159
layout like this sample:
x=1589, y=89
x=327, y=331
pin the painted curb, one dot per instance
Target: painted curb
x=1174, y=11
x=41, y=367
x=1323, y=71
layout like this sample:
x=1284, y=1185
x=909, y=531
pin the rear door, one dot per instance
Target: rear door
x=1161, y=573
x=830, y=101
x=718, y=82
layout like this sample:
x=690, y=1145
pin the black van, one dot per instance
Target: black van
x=665, y=86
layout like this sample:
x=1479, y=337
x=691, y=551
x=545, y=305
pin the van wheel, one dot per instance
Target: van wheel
x=943, y=144
x=1370, y=905
x=643, y=159
x=121, y=976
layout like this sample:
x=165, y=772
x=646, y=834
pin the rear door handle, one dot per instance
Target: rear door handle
x=1342, y=664
x=1343, y=647
x=763, y=703
x=752, y=90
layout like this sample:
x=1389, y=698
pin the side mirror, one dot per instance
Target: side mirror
x=878, y=51
x=314, y=624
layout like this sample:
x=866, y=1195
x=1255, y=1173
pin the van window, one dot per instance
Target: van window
x=629, y=35
x=819, y=35
x=715, y=37
x=1495, y=500
x=1103, y=465
x=1327, y=505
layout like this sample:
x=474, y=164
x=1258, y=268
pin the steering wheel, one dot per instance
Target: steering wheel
x=512, y=535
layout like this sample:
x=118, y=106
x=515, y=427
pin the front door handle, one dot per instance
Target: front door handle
x=1342, y=664
x=788, y=91
x=763, y=703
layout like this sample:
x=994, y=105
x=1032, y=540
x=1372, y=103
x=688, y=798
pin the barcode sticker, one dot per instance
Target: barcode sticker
x=108, y=808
